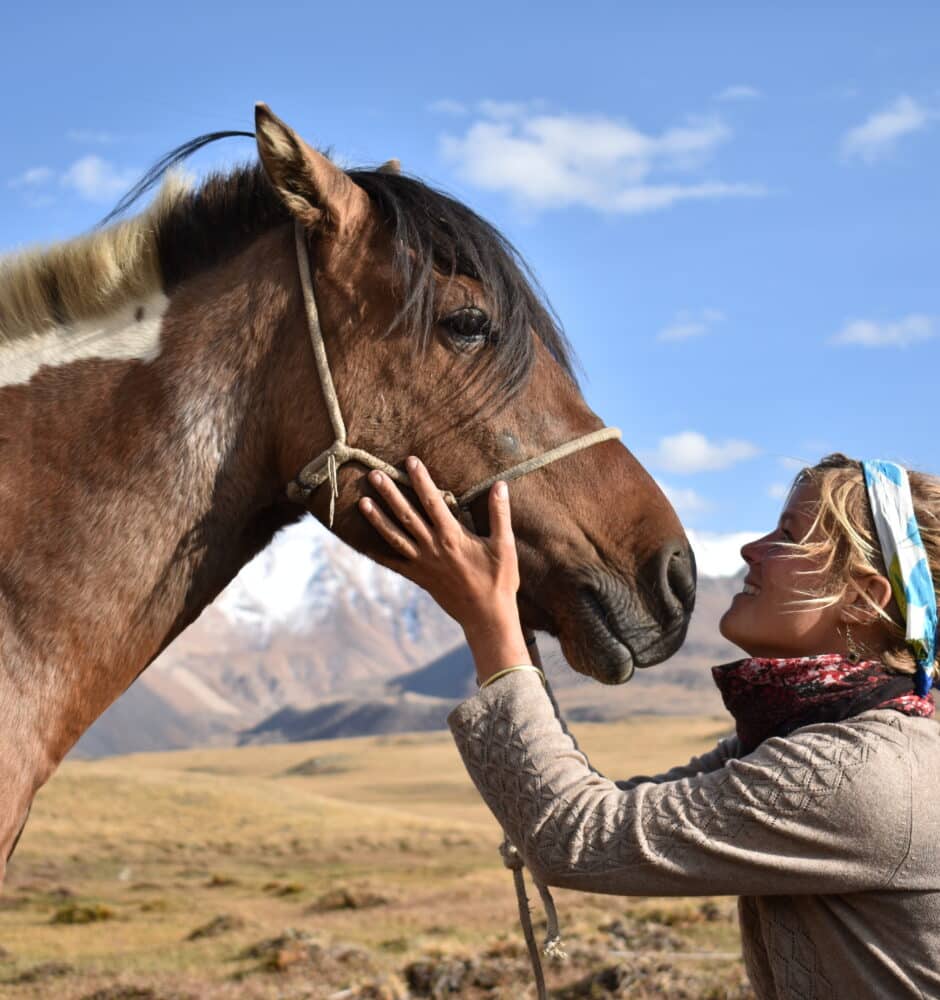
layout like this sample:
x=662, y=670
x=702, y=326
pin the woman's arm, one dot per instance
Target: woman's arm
x=726, y=749
x=474, y=579
x=826, y=810
x=822, y=811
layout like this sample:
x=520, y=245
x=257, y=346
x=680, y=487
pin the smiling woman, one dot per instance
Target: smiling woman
x=821, y=811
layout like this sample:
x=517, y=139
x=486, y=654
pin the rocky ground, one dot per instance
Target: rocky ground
x=350, y=869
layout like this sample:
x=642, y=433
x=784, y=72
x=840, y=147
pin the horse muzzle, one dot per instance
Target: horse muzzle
x=611, y=627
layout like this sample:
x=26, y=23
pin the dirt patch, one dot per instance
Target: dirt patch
x=330, y=764
x=40, y=973
x=439, y=977
x=135, y=993
x=642, y=935
x=646, y=978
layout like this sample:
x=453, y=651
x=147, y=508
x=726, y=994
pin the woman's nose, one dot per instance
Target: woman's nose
x=750, y=551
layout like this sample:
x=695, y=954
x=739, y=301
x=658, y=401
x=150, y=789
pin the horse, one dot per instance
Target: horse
x=158, y=395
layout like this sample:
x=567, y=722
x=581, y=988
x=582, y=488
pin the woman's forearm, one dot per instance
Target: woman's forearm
x=497, y=642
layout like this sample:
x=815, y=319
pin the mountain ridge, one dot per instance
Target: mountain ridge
x=310, y=623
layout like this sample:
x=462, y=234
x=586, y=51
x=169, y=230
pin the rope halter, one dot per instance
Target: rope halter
x=325, y=467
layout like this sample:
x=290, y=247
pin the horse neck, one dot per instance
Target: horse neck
x=132, y=494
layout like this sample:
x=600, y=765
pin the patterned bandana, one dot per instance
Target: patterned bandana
x=889, y=492
x=773, y=697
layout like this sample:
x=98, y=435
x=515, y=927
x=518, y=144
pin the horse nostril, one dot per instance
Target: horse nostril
x=672, y=575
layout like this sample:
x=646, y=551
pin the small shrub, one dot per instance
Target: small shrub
x=221, y=882
x=82, y=913
x=346, y=899
x=221, y=924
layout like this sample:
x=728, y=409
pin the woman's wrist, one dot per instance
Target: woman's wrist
x=496, y=644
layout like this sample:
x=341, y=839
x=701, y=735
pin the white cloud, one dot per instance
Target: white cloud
x=901, y=333
x=31, y=178
x=691, y=451
x=719, y=554
x=96, y=179
x=879, y=133
x=688, y=324
x=738, y=92
x=507, y=109
x=91, y=177
x=93, y=136
x=445, y=106
x=556, y=160
x=778, y=491
x=685, y=501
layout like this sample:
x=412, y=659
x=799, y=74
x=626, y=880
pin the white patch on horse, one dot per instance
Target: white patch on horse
x=122, y=336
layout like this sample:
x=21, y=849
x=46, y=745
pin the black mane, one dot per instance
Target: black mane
x=432, y=231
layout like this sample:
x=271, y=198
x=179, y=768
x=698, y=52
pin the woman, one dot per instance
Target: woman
x=822, y=813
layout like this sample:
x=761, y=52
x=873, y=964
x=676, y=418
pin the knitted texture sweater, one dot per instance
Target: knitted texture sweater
x=829, y=836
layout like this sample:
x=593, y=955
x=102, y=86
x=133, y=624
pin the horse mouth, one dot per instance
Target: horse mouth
x=610, y=634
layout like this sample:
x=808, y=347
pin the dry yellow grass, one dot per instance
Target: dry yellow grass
x=168, y=842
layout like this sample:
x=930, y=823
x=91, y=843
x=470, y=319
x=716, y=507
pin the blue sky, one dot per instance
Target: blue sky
x=733, y=208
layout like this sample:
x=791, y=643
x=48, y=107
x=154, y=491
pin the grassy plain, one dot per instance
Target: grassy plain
x=341, y=869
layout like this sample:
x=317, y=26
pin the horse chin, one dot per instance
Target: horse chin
x=606, y=633
x=605, y=659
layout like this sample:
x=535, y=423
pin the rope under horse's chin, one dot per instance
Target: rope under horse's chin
x=324, y=469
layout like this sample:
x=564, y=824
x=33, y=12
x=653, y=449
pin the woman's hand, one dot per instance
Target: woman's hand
x=473, y=579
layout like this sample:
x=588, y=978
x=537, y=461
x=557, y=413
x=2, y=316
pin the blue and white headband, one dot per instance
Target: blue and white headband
x=889, y=492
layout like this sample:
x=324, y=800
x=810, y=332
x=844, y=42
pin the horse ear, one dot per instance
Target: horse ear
x=310, y=185
x=390, y=167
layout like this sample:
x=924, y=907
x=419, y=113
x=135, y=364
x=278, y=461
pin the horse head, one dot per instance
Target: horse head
x=440, y=346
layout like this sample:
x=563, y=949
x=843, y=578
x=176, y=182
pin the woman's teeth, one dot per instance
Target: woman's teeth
x=750, y=590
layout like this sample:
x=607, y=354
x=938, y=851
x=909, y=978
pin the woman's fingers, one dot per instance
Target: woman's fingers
x=392, y=534
x=500, y=518
x=407, y=516
x=430, y=496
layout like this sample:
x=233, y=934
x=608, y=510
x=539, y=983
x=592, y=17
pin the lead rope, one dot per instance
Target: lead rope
x=551, y=946
x=325, y=467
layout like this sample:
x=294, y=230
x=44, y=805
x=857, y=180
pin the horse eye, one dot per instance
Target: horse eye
x=468, y=328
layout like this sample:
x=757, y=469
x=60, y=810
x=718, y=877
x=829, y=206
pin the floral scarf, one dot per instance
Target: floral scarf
x=773, y=697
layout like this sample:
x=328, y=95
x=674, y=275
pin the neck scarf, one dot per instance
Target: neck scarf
x=773, y=697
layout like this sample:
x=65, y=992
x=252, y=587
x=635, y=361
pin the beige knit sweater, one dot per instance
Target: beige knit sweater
x=831, y=836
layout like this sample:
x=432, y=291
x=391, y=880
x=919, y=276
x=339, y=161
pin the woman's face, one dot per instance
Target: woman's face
x=762, y=619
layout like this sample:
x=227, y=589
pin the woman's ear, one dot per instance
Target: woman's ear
x=871, y=592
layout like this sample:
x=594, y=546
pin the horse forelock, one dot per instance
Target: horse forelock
x=436, y=233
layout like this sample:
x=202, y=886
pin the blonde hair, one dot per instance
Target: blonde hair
x=844, y=541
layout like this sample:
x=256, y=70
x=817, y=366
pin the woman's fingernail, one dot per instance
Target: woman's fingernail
x=502, y=491
x=375, y=477
x=411, y=463
x=365, y=505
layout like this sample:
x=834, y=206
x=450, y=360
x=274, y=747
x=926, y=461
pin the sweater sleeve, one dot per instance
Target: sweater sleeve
x=717, y=757
x=826, y=810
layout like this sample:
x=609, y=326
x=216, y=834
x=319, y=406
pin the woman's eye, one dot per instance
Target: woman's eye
x=468, y=328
